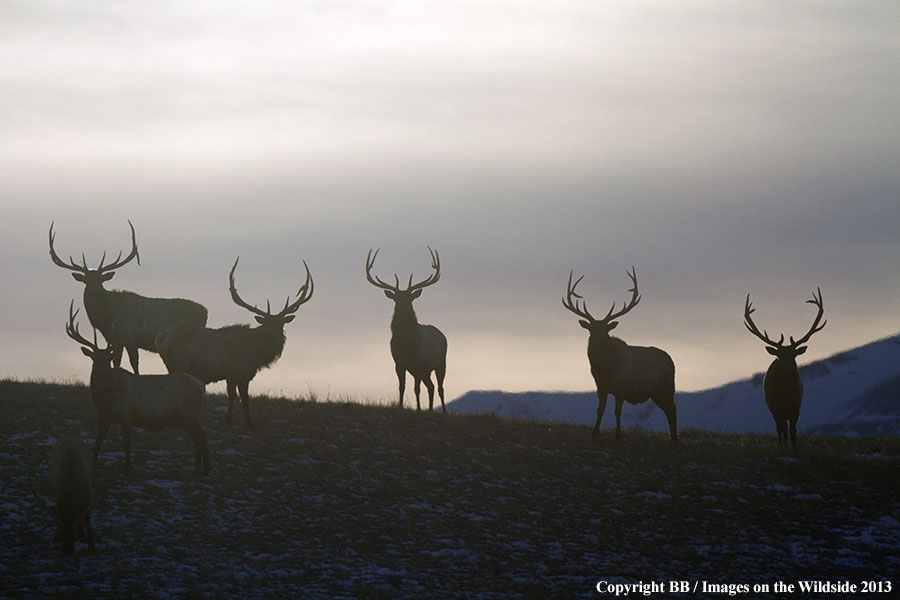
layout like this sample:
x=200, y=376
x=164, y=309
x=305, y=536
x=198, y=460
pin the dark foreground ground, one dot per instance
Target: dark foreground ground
x=335, y=500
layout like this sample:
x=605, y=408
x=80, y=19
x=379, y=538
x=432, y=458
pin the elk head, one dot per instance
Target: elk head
x=103, y=273
x=779, y=349
x=265, y=317
x=101, y=357
x=575, y=303
x=403, y=298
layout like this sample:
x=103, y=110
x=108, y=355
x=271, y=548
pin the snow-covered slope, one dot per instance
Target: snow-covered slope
x=852, y=393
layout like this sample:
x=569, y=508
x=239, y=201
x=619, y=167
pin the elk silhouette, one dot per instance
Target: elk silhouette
x=151, y=402
x=127, y=320
x=416, y=348
x=70, y=475
x=782, y=386
x=235, y=353
x=632, y=374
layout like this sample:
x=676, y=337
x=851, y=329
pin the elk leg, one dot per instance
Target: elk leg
x=401, y=376
x=668, y=406
x=430, y=387
x=439, y=375
x=793, y=435
x=232, y=392
x=206, y=465
x=126, y=440
x=417, y=386
x=781, y=428
x=243, y=388
x=101, y=433
x=601, y=406
x=117, y=355
x=133, y=358
x=196, y=433
x=90, y=532
x=619, y=404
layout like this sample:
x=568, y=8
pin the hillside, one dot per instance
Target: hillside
x=339, y=500
x=851, y=393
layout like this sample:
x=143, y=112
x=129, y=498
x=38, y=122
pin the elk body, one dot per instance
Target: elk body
x=417, y=349
x=70, y=476
x=782, y=386
x=235, y=353
x=151, y=402
x=127, y=320
x=632, y=374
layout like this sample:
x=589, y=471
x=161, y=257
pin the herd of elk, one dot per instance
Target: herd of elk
x=782, y=386
x=632, y=374
x=196, y=355
x=235, y=353
x=417, y=349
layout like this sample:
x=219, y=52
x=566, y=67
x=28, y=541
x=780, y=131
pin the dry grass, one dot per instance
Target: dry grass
x=336, y=499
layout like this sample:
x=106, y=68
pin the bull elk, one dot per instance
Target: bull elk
x=632, y=374
x=416, y=348
x=782, y=387
x=151, y=402
x=127, y=320
x=235, y=353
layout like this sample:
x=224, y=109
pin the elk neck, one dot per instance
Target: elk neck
x=98, y=305
x=605, y=351
x=106, y=384
x=268, y=343
x=405, y=328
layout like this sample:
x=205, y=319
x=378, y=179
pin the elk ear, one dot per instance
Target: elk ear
x=260, y=319
x=416, y=294
x=800, y=350
x=585, y=324
x=87, y=352
x=389, y=294
x=78, y=277
x=288, y=319
x=612, y=325
x=107, y=276
x=772, y=351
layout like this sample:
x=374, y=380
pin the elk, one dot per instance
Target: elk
x=151, y=402
x=416, y=348
x=127, y=320
x=235, y=353
x=632, y=374
x=70, y=475
x=782, y=387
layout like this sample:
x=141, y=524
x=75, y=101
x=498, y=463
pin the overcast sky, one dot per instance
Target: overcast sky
x=719, y=147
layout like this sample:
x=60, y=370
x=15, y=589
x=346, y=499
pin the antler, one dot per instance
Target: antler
x=376, y=280
x=380, y=283
x=431, y=279
x=579, y=309
x=635, y=298
x=72, y=330
x=59, y=262
x=815, y=326
x=83, y=268
x=752, y=328
x=303, y=295
x=764, y=336
x=582, y=311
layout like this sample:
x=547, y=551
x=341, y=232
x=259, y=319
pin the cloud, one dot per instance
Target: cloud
x=720, y=149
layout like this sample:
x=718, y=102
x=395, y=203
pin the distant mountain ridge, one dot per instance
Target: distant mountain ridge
x=856, y=392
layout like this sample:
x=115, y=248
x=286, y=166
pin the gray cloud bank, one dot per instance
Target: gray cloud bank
x=721, y=149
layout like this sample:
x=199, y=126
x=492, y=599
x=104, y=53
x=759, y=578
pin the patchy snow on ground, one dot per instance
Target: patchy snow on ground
x=349, y=501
